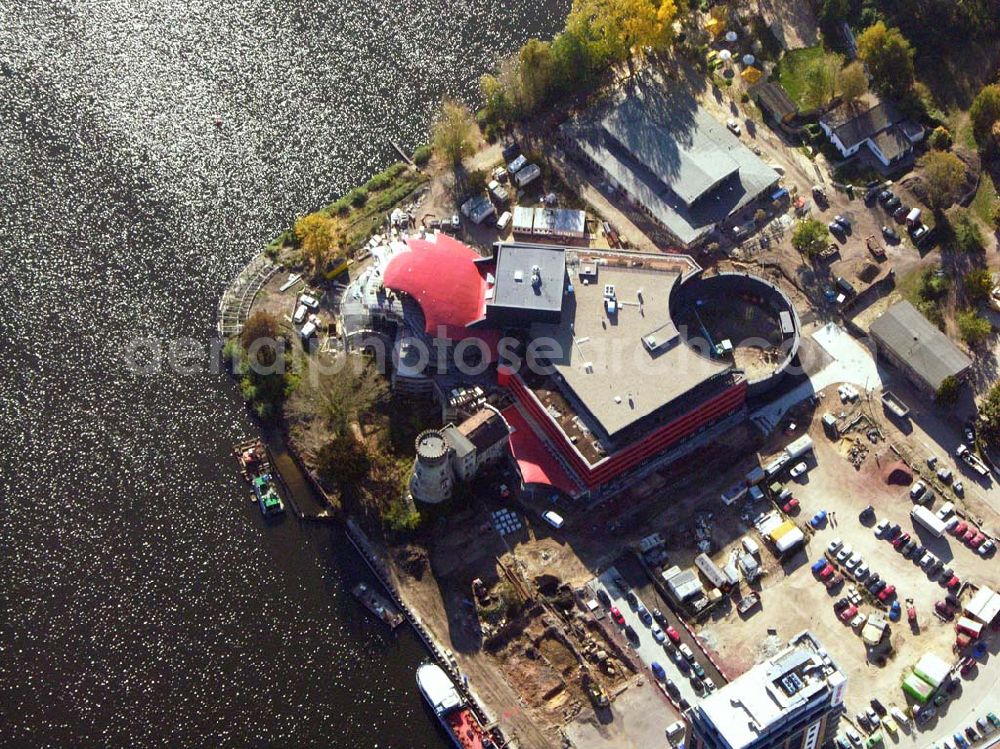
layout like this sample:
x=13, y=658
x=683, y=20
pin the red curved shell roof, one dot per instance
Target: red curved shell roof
x=537, y=464
x=442, y=277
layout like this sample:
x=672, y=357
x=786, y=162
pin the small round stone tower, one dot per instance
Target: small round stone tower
x=432, y=477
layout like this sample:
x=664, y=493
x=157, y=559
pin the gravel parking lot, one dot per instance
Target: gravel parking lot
x=793, y=599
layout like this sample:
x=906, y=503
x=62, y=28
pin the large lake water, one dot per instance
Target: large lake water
x=144, y=601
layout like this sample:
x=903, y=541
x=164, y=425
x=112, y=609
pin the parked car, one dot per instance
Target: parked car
x=878, y=706
x=845, y=223
x=817, y=566
x=657, y=633
x=877, y=587
x=818, y=519
x=826, y=573
x=833, y=546
x=674, y=635
x=901, y=539
x=894, y=611
x=697, y=668
x=840, y=604
x=553, y=518
x=920, y=233
x=849, y=613
x=887, y=592
x=986, y=547
x=734, y=126
x=798, y=469
x=844, y=553
x=890, y=234
x=892, y=204
x=882, y=528
x=894, y=531
x=885, y=196
x=658, y=671
x=616, y=614
x=917, y=489
x=790, y=506
x=960, y=528
x=953, y=582
x=908, y=548
x=686, y=652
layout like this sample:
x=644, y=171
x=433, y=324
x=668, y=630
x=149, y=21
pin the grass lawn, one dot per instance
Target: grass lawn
x=793, y=69
x=986, y=198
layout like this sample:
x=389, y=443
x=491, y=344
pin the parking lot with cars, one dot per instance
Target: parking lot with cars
x=872, y=570
x=667, y=651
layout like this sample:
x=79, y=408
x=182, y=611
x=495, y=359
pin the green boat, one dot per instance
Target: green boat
x=267, y=495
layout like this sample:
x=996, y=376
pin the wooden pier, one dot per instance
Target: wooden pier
x=403, y=155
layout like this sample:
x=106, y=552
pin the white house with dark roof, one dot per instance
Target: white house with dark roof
x=874, y=124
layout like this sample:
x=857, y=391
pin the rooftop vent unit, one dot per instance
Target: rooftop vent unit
x=536, y=276
x=609, y=291
x=519, y=275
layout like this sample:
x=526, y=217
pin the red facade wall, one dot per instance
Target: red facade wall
x=629, y=457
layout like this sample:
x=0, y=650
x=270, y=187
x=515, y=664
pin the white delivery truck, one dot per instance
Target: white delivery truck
x=929, y=520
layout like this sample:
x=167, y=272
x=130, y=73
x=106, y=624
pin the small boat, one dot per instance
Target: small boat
x=378, y=605
x=256, y=467
x=267, y=495
x=454, y=714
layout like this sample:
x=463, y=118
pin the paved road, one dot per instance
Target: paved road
x=648, y=649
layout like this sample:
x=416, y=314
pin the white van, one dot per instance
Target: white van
x=309, y=301
x=300, y=314
x=308, y=331
x=553, y=518
x=504, y=221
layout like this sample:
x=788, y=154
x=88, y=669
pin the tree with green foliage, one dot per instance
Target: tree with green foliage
x=934, y=284
x=948, y=391
x=973, y=327
x=537, y=66
x=261, y=363
x=344, y=459
x=454, y=132
x=810, y=237
x=574, y=63
x=338, y=393
x=966, y=234
x=989, y=416
x=888, y=56
x=985, y=112
x=940, y=138
x=943, y=173
x=978, y=284
x=852, y=82
x=996, y=217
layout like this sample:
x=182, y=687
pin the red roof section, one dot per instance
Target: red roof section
x=449, y=287
x=537, y=464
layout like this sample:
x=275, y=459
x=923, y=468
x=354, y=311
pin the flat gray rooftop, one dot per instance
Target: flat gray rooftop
x=676, y=160
x=514, y=287
x=914, y=339
x=602, y=358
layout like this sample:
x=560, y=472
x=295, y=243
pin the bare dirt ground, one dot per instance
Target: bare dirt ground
x=793, y=23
